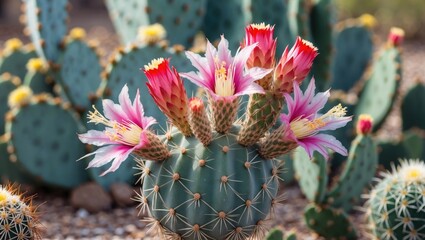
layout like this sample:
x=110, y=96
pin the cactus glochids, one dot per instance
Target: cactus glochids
x=18, y=219
x=396, y=204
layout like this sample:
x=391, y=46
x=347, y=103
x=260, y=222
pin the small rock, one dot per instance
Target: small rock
x=122, y=194
x=82, y=213
x=91, y=197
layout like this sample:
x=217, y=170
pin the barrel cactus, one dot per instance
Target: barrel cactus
x=18, y=219
x=202, y=179
x=396, y=205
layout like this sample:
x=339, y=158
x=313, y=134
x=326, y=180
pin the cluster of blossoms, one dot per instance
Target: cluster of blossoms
x=252, y=71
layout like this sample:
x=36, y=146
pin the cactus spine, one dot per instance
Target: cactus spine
x=396, y=204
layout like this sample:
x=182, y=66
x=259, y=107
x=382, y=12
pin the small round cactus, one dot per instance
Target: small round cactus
x=396, y=207
x=18, y=220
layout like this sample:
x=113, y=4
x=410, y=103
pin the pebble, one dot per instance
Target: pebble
x=122, y=194
x=91, y=197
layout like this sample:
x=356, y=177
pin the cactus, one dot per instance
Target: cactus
x=219, y=190
x=198, y=181
x=220, y=19
x=14, y=56
x=43, y=141
x=412, y=107
x=395, y=205
x=311, y=175
x=8, y=83
x=19, y=217
x=182, y=19
x=386, y=72
x=299, y=18
x=328, y=222
x=274, y=234
x=321, y=22
x=353, y=52
x=37, y=77
x=330, y=205
x=274, y=12
x=46, y=34
x=360, y=168
x=79, y=71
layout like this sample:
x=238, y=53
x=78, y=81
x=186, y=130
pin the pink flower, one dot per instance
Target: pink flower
x=294, y=65
x=263, y=54
x=168, y=92
x=303, y=123
x=125, y=131
x=222, y=75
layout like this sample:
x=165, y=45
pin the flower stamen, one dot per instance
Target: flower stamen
x=223, y=87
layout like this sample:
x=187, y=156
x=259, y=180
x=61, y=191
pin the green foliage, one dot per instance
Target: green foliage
x=275, y=234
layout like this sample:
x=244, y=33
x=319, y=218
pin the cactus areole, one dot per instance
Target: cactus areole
x=198, y=180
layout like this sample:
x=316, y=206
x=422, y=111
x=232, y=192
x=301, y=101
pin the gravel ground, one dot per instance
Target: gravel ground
x=61, y=221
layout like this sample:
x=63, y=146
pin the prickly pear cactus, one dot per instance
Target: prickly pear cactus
x=46, y=34
x=44, y=142
x=79, y=70
x=413, y=108
x=231, y=196
x=381, y=87
x=395, y=206
x=311, y=175
x=358, y=171
x=181, y=18
x=38, y=77
x=19, y=219
x=14, y=56
x=321, y=23
x=299, y=18
x=328, y=222
x=353, y=52
x=8, y=83
x=220, y=19
x=274, y=12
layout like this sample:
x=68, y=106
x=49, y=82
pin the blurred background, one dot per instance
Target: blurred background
x=406, y=14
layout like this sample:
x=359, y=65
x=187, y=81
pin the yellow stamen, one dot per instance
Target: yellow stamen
x=303, y=127
x=13, y=45
x=37, y=65
x=223, y=80
x=124, y=133
x=154, y=64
